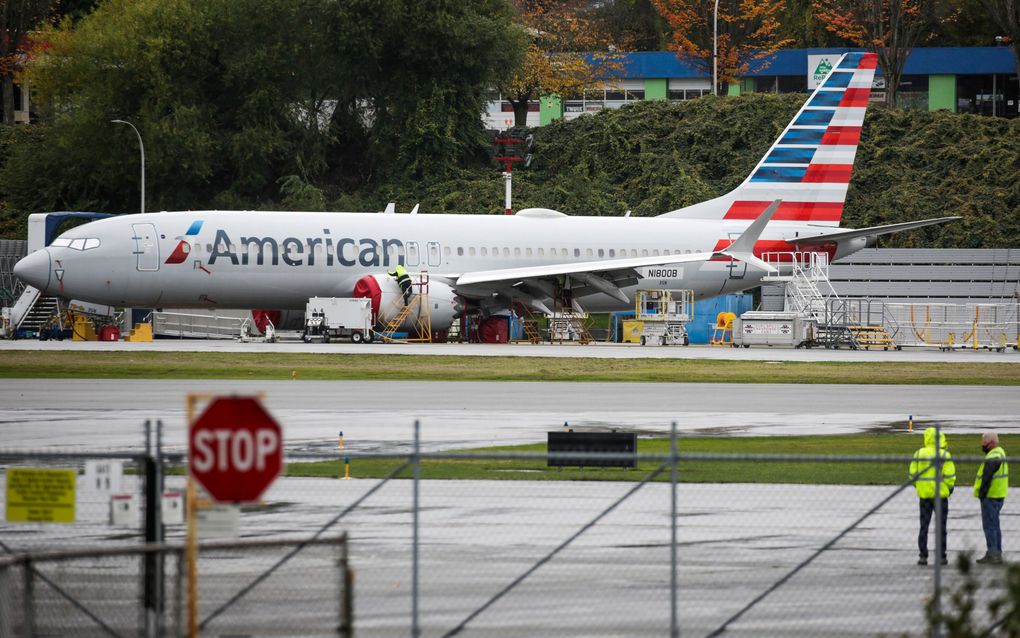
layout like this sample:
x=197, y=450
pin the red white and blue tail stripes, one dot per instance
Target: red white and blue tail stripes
x=809, y=166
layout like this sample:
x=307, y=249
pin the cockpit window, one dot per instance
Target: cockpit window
x=76, y=244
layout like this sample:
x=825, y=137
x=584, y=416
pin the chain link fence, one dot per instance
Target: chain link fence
x=670, y=547
x=141, y=590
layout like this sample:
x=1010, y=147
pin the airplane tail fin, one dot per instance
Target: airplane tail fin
x=808, y=167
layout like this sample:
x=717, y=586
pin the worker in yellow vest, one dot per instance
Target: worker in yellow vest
x=922, y=469
x=990, y=487
x=403, y=280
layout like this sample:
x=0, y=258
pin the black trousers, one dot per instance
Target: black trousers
x=927, y=509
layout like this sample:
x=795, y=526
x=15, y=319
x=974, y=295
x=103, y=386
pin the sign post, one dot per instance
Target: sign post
x=235, y=451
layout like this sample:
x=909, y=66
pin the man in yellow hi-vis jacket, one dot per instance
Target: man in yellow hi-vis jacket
x=990, y=487
x=403, y=280
x=923, y=467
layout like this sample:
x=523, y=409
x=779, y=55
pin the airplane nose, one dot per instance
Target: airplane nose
x=35, y=270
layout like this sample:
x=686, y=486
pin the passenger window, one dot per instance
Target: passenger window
x=655, y=252
x=460, y=251
x=602, y=253
x=633, y=252
x=517, y=252
x=528, y=252
x=471, y=251
x=577, y=252
x=541, y=252
x=563, y=252
x=612, y=253
x=506, y=252
x=644, y=252
x=485, y=251
x=589, y=252
x=446, y=250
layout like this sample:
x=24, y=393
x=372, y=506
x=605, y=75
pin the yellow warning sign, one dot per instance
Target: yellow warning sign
x=40, y=496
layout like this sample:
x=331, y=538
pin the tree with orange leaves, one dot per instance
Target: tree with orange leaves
x=889, y=28
x=566, y=53
x=748, y=33
x=17, y=19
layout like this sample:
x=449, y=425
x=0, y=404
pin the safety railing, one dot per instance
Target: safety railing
x=206, y=326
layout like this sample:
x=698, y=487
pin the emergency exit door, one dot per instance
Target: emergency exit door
x=146, y=246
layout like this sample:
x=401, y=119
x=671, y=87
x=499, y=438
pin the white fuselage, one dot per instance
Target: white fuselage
x=279, y=260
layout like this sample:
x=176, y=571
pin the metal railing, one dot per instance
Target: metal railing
x=179, y=324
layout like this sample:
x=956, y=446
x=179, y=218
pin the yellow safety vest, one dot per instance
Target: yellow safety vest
x=925, y=482
x=1000, y=480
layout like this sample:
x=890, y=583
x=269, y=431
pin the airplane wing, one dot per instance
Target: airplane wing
x=873, y=231
x=609, y=275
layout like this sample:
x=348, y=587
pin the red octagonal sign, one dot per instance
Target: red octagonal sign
x=235, y=449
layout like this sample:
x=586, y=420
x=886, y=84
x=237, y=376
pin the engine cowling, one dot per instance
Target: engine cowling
x=444, y=305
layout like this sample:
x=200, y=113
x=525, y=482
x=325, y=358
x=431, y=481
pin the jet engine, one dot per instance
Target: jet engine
x=432, y=301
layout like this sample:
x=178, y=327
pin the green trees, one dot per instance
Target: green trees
x=238, y=99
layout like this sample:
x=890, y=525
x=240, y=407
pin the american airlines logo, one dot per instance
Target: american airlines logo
x=295, y=251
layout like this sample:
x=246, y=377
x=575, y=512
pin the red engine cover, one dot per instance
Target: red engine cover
x=263, y=318
x=369, y=287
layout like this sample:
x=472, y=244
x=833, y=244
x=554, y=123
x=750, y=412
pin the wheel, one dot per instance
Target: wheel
x=357, y=337
x=662, y=341
x=642, y=340
x=369, y=338
x=687, y=340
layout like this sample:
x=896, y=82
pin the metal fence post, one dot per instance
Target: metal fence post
x=28, y=599
x=674, y=629
x=940, y=551
x=415, y=466
x=7, y=599
x=151, y=572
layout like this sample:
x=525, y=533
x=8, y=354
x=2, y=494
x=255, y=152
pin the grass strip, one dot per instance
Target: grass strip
x=337, y=367
x=900, y=445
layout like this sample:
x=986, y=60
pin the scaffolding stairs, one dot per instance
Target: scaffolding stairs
x=809, y=292
x=529, y=323
x=416, y=310
x=570, y=326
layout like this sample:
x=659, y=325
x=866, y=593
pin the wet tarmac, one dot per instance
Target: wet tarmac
x=89, y=414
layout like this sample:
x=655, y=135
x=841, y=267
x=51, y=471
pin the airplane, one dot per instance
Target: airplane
x=791, y=202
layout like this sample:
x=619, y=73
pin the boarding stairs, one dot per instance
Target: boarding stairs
x=33, y=311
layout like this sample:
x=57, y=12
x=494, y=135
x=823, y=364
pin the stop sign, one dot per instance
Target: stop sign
x=235, y=449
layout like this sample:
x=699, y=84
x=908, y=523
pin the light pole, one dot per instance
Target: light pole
x=141, y=148
x=715, y=49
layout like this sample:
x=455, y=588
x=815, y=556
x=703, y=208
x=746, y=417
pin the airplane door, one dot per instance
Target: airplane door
x=737, y=269
x=435, y=255
x=146, y=246
x=412, y=258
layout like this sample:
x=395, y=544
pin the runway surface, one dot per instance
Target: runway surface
x=597, y=350
x=89, y=414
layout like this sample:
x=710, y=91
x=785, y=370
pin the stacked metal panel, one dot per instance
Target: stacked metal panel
x=913, y=275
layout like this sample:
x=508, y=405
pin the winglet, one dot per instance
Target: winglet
x=743, y=247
